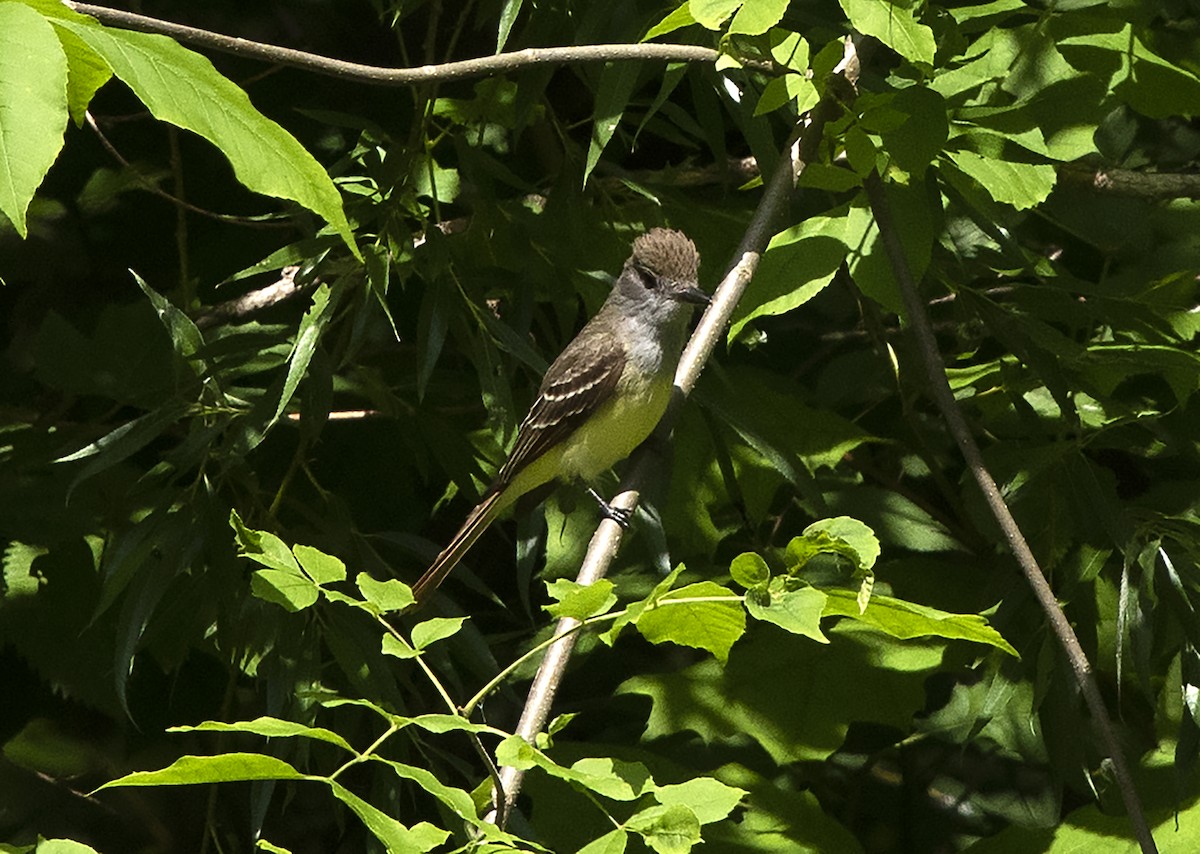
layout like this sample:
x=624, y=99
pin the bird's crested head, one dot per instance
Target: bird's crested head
x=667, y=254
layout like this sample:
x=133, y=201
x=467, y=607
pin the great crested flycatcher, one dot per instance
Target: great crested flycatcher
x=604, y=394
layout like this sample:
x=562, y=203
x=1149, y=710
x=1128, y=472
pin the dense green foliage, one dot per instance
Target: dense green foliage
x=815, y=637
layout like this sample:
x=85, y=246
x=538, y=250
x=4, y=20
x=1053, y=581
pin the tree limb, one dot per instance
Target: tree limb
x=384, y=76
x=939, y=389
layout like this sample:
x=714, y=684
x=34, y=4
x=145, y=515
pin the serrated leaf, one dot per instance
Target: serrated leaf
x=33, y=107
x=711, y=625
x=1022, y=185
x=223, y=768
x=894, y=25
x=907, y=620
x=181, y=87
x=270, y=728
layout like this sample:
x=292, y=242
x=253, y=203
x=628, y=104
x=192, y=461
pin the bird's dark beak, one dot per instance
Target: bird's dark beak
x=693, y=295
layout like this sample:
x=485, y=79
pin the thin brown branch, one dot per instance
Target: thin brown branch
x=151, y=187
x=385, y=76
x=252, y=302
x=607, y=539
x=939, y=389
x=1130, y=182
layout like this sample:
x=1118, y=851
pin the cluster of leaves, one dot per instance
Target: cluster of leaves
x=465, y=228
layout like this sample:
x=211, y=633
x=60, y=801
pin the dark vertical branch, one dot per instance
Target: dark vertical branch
x=943, y=397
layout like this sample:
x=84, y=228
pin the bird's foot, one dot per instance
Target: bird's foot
x=618, y=514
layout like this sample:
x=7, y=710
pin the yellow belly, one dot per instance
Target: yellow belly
x=606, y=438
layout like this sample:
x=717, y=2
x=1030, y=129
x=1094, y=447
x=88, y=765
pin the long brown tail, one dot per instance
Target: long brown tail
x=477, y=522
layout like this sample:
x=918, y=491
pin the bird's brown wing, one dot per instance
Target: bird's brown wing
x=579, y=382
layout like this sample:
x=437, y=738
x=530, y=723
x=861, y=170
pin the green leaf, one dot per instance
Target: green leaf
x=289, y=590
x=757, y=16
x=797, y=611
x=181, y=87
x=670, y=829
x=611, y=778
x=710, y=14
x=397, y=838
x=63, y=846
x=709, y=625
x=33, y=104
x=307, y=337
x=845, y=531
x=320, y=567
x=893, y=25
x=271, y=728
x=617, y=80
x=263, y=547
x=398, y=648
x=456, y=799
x=906, y=620
x=436, y=629
x=613, y=842
x=677, y=19
x=797, y=265
x=508, y=17
x=755, y=694
x=750, y=570
x=123, y=442
x=1022, y=185
x=224, y=768
x=390, y=595
x=186, y=338
x=710, y=800
x=580, y=601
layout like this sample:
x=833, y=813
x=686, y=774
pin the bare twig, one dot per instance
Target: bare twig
x=383, y=76
x=939, y=389
x=1130, y=182
x=151, y=187
x=254, y=301
x=607, y=539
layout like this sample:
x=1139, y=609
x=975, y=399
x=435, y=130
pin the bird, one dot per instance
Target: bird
x=603, y=395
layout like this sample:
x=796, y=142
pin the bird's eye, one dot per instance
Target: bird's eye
x=649, y=280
